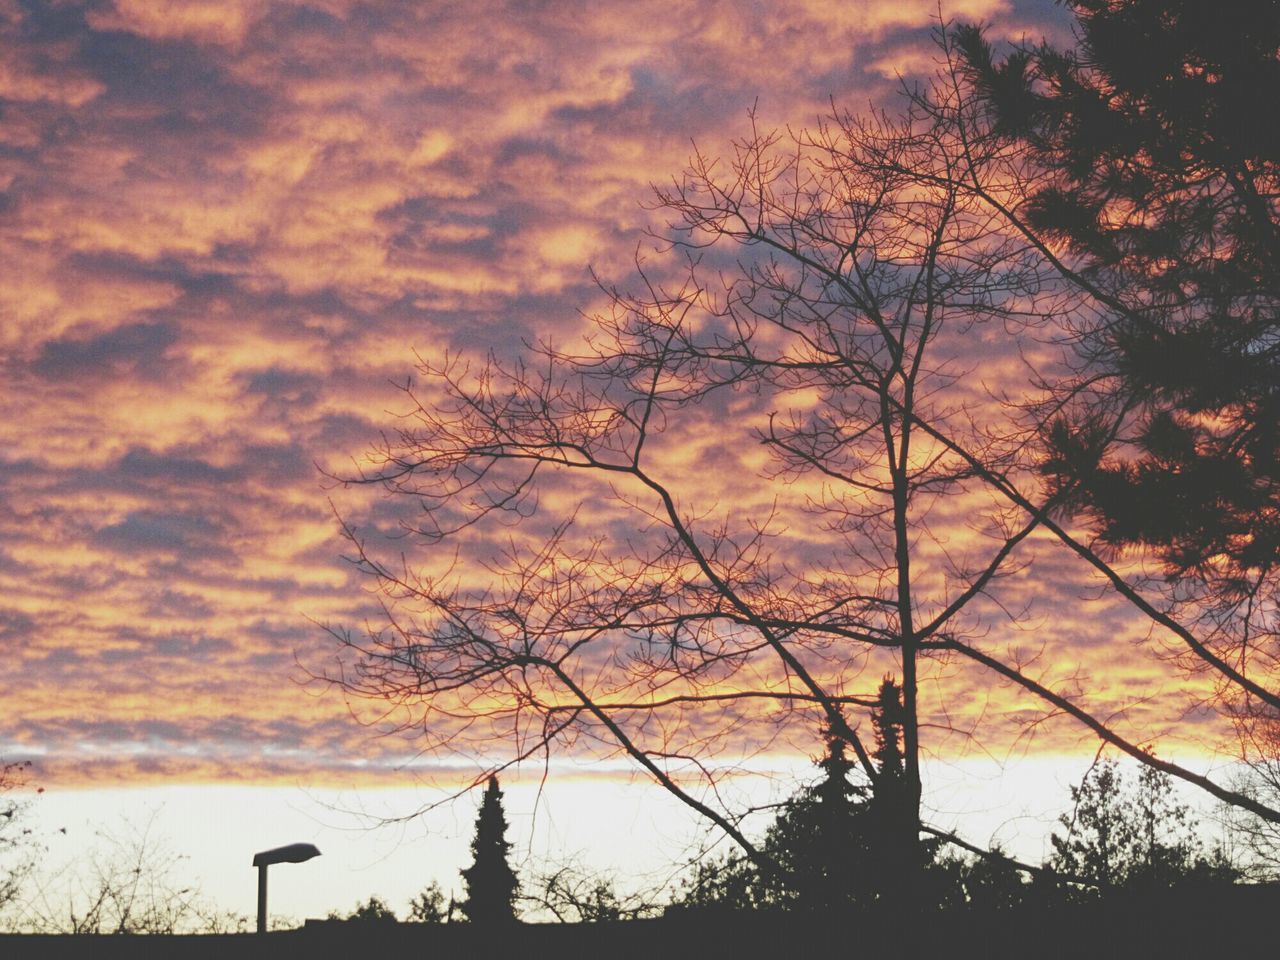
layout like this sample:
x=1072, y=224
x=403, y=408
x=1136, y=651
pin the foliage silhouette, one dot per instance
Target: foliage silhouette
x=819, y=843
x=820, y=839
x=836, y=844
x=1122, y=838
x=990, y=884
x=491, y=883
x=373, y=910
x=428, y=906
x=1163, y=184
x=1159, y=189
x=1136, y=838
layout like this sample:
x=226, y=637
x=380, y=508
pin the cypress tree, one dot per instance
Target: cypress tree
x=897, y=855
x=491, y=883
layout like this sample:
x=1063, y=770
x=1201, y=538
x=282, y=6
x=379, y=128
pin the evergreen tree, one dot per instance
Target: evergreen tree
x=1160, y=178
x=491, y=883
x=837, y=844
x=896, y=855
x=886, y=718
x=842, y=844
x=819, y=841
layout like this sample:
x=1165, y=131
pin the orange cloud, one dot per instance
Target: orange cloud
x=225, y=228
x=204, y=21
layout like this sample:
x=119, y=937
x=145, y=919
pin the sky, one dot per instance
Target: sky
x=227, y=227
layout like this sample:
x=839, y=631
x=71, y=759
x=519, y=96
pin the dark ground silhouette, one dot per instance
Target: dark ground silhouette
x=1216, y=924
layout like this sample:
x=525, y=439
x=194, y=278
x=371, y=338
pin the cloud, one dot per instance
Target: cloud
x=133, y=352
x=225, y=228
x=204, y=21
x=15, y=626
x=146, y=531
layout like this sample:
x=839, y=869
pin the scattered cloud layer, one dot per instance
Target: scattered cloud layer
x=226, y=226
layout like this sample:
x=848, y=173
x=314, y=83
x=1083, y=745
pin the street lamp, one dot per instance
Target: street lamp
x=293, y=853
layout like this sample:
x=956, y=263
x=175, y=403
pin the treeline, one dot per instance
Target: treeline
x=836, y=847
x=833, y=846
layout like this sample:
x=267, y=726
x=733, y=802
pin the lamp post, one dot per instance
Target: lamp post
x=293, y=853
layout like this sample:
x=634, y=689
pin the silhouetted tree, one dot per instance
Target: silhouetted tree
x=573, y=894
x=990, y=883
x=843, y=844
x=491, y=883
x=1163, y=183
x=373, y=910
x=817, y=849
x=1137, y=838
x=898, y=856
x=842, y=338
x=428, y=906
x=1258, y=839
x=729, y=882
x=836, y=843
x=129, y=882
x=820, y=842
x=817, y=328
x=1043, y=137
x=1157, y=194
x=17, y=839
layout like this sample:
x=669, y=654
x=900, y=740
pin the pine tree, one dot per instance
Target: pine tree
x=843, y=845
x=491, y=883
x=820, y=841
x=1160, y=173
x=838, y=844
x=887, y=720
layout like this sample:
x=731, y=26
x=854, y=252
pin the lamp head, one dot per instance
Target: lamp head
x=293, y=853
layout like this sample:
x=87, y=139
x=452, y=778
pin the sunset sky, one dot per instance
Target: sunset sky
x=226, y=227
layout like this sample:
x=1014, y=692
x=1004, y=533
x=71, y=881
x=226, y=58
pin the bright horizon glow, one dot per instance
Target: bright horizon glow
x=621, y=828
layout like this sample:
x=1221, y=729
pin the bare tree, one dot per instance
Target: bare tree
x=1211, y=617
x=18, y=842
x=129, y=882
x=1257, y=837
x=644, y=615
x=573, y=894
x=718, y=521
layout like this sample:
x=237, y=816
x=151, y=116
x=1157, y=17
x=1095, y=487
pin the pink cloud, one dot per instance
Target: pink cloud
x=225, y=228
